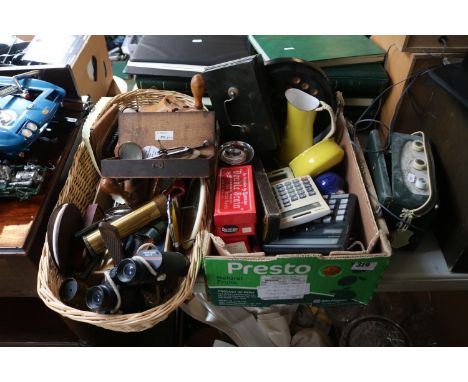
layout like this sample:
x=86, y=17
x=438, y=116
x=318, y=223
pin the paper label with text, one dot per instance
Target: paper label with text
x=364, y=266
x=164, y=135
x=283, y=287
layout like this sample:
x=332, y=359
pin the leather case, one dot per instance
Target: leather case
x=65, y=248
x=240, y=96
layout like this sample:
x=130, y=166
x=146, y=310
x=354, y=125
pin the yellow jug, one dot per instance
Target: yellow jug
x=298, y=134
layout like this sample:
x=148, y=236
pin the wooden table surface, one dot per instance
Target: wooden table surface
x=23, y=224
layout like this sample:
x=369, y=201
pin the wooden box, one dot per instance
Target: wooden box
x=435, y=44
x=401, y=66
x=428, y=44
x=165, y=130
x=85, y=69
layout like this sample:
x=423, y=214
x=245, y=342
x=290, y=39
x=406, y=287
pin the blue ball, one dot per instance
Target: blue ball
x=330, y=183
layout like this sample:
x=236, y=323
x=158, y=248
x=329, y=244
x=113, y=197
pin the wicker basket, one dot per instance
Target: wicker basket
x=80, y=189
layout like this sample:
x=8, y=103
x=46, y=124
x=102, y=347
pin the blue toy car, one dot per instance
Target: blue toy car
x=27, y=105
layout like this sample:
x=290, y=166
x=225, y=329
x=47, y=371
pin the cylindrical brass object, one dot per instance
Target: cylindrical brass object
x=128, y=224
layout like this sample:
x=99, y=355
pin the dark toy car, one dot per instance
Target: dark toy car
x=20, y=181
x=27, y=105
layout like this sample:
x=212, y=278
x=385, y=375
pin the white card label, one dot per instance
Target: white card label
x=363, y=266
x=238, y=247
x=162, y=135
x=283, y=287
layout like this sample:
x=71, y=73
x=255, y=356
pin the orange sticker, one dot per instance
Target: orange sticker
x=45, y=111
x=331, y=270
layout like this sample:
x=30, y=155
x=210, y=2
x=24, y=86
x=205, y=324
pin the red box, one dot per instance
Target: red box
x=234, y=212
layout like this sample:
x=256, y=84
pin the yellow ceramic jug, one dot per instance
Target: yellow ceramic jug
x=298, y=134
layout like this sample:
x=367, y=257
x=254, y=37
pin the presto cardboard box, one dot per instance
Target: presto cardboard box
x=345, y=277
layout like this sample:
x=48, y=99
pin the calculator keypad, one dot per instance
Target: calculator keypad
x=299, y=201
x=338, y=204
x=323, y=235
x=292, y=191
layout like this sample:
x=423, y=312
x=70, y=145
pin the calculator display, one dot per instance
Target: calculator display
x=307, y=207
x=275, y=178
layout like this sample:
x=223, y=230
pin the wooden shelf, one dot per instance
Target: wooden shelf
x=28, y=322
x=23, y=224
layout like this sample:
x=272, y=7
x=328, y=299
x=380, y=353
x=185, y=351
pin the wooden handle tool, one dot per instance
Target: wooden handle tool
x=197, y=85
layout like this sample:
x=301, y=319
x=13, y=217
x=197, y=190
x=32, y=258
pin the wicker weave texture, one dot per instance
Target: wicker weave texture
x=80, y=189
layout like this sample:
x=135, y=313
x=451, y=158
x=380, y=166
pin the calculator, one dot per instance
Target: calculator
x=299, y=201
x=279, y=175
x=329, y=233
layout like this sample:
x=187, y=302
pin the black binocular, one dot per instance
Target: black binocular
x=150, y=265
x=135, y=283
x=125, y=285
x=103, y=298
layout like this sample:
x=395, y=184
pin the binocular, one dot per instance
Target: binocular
x=101, y=298
x=150, y=265
x=111, y=296
x=121, y=289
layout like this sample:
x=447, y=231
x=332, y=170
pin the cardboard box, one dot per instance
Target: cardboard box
x=346, y=277
x=82, y=69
